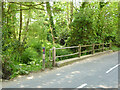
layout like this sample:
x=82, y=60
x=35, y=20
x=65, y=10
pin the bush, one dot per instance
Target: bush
x=115, y=48
x=29, y=54
x=36, y=44
x=64, y=52
x=6, y=69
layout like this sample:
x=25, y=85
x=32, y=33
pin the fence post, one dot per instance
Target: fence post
x=54, y=56
x=93, y=48
x=43, y=57
x=103, y=46
x=79, y=50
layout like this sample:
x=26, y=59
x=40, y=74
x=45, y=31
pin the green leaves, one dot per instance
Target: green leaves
x=94, y=22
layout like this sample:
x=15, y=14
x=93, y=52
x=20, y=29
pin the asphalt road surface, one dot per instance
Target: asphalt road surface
x=94, y=72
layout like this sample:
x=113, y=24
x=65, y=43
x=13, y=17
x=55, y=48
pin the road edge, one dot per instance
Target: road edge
x=72, y=60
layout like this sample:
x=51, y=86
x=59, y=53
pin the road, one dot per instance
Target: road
x=94, y=72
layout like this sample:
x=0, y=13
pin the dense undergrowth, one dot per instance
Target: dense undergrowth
x=31, y=59
x=27, y=27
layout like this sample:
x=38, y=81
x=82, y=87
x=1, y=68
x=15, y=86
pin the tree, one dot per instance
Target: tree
x=20, y=22
x=71, y=11
x=68, y=12
x=49, y=11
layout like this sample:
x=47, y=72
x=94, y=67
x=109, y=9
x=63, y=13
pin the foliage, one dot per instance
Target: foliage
x=115, y=48
x=64, y=52
x=93, y=25
x=26, y=29
x=29, y=54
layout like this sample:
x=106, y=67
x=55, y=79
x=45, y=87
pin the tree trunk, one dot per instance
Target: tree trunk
x=28, y=20
x=48, y=7
x=20, y=22
x=8, y=13
x=8, y=19
x=71, y=10
x=27, y=25
x=84, y=3
x=68, y=12
x=26, y=30
x=2, y=12
x=13, y=21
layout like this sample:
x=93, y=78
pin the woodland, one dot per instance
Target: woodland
x=27, y=27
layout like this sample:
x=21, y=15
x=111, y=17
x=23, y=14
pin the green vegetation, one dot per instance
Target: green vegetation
x=115, y=48
x=29, y=26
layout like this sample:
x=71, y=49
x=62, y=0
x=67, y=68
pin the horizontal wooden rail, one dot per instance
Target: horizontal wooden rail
x=68, y=47
x=85, y=45
x=67, y=55
x=106, y=43
x=98, y=49
x=86, y=51
x=101, y=46
x=106, y=47
x=98, y=44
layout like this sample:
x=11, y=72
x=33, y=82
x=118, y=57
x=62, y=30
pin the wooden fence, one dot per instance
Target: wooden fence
x=102, y=46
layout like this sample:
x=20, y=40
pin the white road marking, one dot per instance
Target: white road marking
x=83, y=85
x=112, y=68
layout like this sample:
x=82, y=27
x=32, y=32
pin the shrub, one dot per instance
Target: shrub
x=64, y=52
x=29, y=54
x=36, y=44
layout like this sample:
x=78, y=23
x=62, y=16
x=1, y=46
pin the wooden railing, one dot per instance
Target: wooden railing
x=79, y=47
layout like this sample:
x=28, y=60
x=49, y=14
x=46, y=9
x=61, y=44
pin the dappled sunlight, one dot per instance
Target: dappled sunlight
x=19, y=76
x=47, y=83
x=39, y=76
x=92, y=70
x=22, y=86
x=14, y=80
x=77, y=62
x=69, y=76
x=18, y=83
x=51, y=82
x=88, y=59
x=39, y=86
x=58, y=74
x=60, y=81
x=75, y=72
x=31, y=77
x=44, y=84
x=103, y=86
x=69, y=81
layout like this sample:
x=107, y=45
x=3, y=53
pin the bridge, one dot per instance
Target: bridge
x=94, y=71
x=81, y=49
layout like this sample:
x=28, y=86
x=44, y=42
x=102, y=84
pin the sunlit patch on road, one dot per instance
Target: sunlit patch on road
x=103, y=86
x=58, y=74
x=30, y=77
x=75, y=72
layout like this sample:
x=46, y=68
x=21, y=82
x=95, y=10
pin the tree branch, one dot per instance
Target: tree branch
x=28, y=5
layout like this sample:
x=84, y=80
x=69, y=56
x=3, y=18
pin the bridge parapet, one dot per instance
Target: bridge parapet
x=100, y=47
